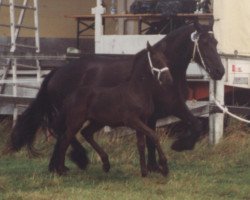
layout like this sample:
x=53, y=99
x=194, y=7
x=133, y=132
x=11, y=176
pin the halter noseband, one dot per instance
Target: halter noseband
x=195, y=36
x=154, y=69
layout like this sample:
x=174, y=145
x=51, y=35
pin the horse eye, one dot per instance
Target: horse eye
x=205, y=40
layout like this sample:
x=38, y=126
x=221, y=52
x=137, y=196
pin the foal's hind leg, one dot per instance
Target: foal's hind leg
x=141, y=150
x=88, y=134
x=152, y=163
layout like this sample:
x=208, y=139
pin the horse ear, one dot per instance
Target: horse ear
x=197, y=25
x=149, y=47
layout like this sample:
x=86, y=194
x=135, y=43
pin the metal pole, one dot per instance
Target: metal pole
x=36, y=23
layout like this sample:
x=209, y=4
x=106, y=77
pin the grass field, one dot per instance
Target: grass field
x=220, y=172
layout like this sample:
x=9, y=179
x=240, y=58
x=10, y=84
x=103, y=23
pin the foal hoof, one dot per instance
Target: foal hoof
x=153, y=168
x=182, y=145
x=106, y=167
x=144, y=173
x=164, y=169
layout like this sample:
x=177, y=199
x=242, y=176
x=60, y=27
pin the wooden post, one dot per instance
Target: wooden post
x=216, y=120
x=122, y=7
x=98, y=11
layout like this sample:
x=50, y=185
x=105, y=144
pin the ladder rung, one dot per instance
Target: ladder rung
x=26, y=46
x=3, y=64
x=5, y=4
x=22, y=105
x=5, y=25
x=26, y=66
x=19, y=6
x=24, y=26
x=25, y=7
x=5, y=45
x=28, y=86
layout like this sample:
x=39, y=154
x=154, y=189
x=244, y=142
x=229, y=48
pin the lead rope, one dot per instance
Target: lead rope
x=159, y=71
x=224, y=109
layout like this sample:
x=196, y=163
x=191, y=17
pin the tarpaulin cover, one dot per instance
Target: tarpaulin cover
x=232, y=26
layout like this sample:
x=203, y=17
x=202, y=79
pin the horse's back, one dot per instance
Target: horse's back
x=100, y=70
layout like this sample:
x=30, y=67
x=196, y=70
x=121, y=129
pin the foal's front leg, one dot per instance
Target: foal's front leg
x=139, y=126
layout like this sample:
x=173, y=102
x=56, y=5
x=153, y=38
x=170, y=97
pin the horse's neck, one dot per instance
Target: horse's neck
x=179, y=56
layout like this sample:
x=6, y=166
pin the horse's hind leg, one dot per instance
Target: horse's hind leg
x=88, y=134
x=141, y=150
x=59, y=130
x=79, y=154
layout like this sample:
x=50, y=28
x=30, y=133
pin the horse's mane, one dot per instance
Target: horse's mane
x=175, y=34
x=137, y=56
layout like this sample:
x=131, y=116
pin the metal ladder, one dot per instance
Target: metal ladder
x=10, y=68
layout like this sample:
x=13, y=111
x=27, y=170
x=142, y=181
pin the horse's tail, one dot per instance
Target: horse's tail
x=30, y=120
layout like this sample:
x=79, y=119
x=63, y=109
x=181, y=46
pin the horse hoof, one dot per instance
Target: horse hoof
x=62, y=171
x=80, y=159
x=66, y=169
x=182, y=145
x=106, y=167
x=165, y=171
x=52, y=168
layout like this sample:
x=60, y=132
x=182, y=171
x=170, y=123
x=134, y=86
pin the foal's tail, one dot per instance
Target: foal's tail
x=24, y=131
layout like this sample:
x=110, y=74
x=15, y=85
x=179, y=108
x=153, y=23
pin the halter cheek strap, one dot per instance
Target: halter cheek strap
x=195, y=38
x=154, y=69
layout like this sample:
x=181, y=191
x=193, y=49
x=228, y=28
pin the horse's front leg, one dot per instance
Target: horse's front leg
x=187, y=142
x=88, y=133
x=78, y=154
x=141, y=149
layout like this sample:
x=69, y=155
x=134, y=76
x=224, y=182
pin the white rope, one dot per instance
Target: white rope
x=225, y=110
x=159, y=71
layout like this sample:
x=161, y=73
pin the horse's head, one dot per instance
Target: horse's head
x=205, y=52
x=159, y=65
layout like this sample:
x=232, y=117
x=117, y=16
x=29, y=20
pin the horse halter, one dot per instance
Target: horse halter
x=195, y=36
x=154, y=69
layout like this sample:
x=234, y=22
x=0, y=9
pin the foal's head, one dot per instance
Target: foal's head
x=159, y=65
x=205, y=52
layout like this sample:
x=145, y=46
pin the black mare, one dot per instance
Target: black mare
x=110, y=70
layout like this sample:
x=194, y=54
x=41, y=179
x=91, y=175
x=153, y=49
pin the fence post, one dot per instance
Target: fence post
x=216, y=120
x=98, y=11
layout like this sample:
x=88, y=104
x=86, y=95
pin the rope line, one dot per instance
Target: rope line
x=224, y=109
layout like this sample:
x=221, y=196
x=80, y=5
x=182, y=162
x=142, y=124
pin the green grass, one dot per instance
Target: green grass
x=220, y=172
